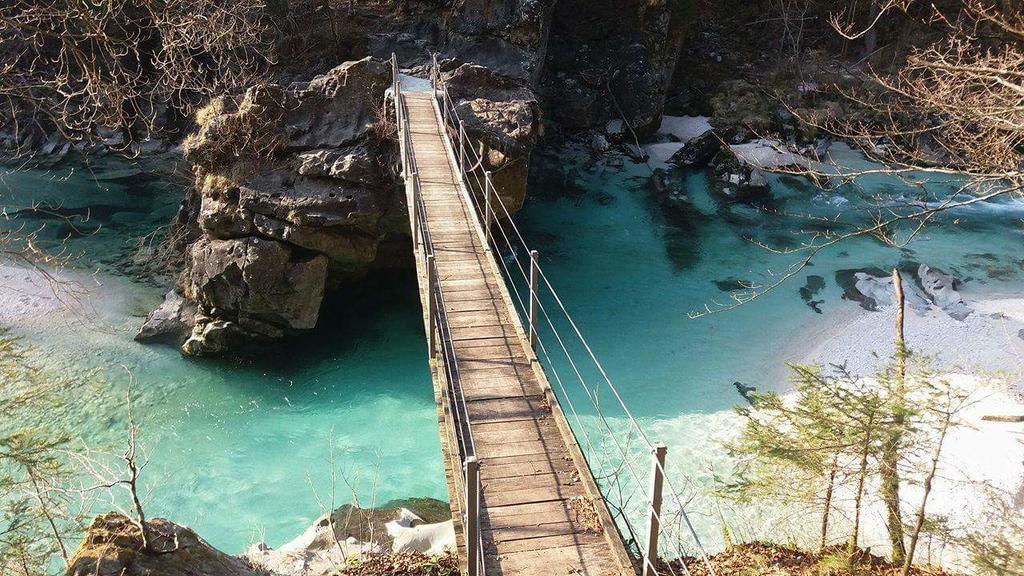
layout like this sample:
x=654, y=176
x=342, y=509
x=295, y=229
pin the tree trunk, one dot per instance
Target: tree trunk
x=859, y=496
x=889, y=462
x=44, y=507
x=924, y=497
x=828, y=501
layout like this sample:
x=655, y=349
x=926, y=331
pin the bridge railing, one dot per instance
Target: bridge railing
x=440, y=344
x=661, y=538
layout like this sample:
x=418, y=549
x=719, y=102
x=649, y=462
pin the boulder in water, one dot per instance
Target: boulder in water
x=879, y=291
x=250, y=289
x=698, y=151
x=170, y=323
x=942, y=289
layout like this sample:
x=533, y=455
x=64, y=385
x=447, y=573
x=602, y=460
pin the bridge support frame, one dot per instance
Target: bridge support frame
x=462, y=149
x=488, y=210
x=431, y=306
x=415, y=215
x=654, y=520
x=473, y=515
x=534, y=296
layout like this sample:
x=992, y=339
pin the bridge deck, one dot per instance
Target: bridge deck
x=535, y=496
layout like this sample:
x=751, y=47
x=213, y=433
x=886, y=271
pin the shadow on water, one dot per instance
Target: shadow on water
x=350, y=319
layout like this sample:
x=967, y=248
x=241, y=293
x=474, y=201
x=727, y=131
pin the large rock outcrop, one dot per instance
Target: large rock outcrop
x=504, y=117
x=297, y=192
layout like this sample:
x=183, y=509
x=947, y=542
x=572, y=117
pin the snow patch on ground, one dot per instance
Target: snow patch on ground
x=684, y=127
x=673, y=134
x=26, y=292
x=767, y=154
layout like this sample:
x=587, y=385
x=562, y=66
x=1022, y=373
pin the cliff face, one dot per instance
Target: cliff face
x=612, y=60
x=297, y=189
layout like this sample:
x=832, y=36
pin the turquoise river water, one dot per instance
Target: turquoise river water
x=243, y=452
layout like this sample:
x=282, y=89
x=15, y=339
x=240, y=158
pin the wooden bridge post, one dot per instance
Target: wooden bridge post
x=654, y=522
x=488, y=210
x=534, y=297
x=462, y=149
x=473, y=515
x=431, y=306
x=444, y=108
x=415, y=209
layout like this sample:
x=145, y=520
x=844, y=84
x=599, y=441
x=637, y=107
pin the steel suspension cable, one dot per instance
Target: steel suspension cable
x=631, y=419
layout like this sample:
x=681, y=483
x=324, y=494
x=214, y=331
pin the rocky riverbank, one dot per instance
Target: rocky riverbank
x=345, y=538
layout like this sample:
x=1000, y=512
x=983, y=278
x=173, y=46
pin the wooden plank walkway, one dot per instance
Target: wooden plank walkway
x=538, y=497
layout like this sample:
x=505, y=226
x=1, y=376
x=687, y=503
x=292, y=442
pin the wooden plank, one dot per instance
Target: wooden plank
x=532, y=514
x=526, y=465
x=572, y=541
x=527, y=494
x=583, y=560
x=510, y=340
x=499, y=448
x=506, y=409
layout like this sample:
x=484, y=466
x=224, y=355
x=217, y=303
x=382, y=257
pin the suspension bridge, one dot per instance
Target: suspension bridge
x=526, y=496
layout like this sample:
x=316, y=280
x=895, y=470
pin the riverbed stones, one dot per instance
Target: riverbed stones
x=169, y=323
x=880, y=291
x=698, y=151
x=942, y=289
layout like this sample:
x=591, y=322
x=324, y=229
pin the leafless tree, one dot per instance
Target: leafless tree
x=110, y=475
x=83, y=67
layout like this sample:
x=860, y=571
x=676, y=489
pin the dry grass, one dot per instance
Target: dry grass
x=403, y=564
x=760, y=559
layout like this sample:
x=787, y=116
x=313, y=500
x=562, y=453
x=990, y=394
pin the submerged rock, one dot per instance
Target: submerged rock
x=810, y=289
x=942, y=289
x=745, y=391
x=733, y=284
x=169, y=323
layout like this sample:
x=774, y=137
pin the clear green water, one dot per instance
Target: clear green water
x=241, y=452
x=237, y=450
x=630, y=271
